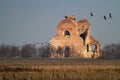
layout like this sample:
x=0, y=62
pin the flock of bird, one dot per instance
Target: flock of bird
x=105, y=18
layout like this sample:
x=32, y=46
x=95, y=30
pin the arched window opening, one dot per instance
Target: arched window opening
x=67, y=33
x=94, y=48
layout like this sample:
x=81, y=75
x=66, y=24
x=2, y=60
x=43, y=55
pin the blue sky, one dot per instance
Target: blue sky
x=35, y=21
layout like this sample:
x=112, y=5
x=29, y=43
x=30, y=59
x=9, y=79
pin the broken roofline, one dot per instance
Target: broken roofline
x=69, y=32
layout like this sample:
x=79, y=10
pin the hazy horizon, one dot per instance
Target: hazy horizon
x=35, y=21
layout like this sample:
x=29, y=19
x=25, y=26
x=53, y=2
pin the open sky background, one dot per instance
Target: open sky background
x=35, y=21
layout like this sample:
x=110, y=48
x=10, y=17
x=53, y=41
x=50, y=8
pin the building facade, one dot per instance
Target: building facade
x=73, y=40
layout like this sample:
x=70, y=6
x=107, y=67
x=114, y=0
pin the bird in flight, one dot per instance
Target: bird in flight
x=91, y=14
x=104, y=17
x=110, y=16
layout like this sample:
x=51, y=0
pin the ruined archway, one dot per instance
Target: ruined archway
x=67, y=52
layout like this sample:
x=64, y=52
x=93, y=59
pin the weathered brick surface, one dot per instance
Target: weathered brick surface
x=73, y=40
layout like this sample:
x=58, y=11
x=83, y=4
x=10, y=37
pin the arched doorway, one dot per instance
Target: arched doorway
x=67, y=52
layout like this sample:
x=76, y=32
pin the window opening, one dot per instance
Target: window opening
x=94, y=48
x=83, y=36
x=66, y=33
x=87, y=48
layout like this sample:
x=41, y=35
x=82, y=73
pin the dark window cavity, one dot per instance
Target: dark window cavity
x=66, y=33
x=87, y=47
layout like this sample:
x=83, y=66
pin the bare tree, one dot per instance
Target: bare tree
x=28, y=51
x=111, y=51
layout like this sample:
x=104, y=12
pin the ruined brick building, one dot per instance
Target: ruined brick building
x=73, y=40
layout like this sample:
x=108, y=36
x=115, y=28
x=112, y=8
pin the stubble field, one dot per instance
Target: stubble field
x=60, y=69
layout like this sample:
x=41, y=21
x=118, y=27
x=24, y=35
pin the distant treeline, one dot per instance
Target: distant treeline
x=111, y=51
x=25, y=51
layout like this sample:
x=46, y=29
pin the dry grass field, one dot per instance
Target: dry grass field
x=60, y=69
